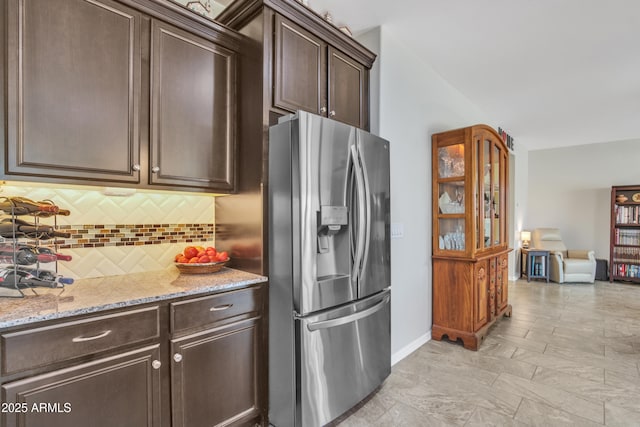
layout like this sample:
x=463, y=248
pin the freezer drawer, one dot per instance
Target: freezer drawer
x=343, y=355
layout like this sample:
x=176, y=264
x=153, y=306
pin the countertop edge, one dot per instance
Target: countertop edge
x=199, y=290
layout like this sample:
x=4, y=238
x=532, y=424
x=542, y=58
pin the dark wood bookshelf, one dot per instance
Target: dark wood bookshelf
x=624, y=252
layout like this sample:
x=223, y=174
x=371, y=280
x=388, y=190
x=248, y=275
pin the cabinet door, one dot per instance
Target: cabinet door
x=493, y=275
x=121, y=390
x=193, y=110
x=502, y=285
x=481, y=277
x=492, y=159
x=216, y=377
x=73, y=89
x=299, y=81
x=348, y=89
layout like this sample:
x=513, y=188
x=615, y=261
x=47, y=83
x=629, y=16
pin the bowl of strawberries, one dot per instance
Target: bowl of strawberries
x=200, y=260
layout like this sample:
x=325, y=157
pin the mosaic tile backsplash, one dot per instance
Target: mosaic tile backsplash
x=100, y=235
x=113, y=235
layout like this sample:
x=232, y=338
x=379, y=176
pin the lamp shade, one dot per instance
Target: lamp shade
x=525, y=235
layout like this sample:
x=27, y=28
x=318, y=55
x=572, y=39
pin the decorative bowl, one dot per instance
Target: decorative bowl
x=197, y=268
x=621, y=198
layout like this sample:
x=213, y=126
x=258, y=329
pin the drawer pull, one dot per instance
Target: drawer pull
x=221, y=307
x=95, y=337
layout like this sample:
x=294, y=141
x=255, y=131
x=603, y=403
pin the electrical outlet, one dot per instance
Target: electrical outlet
x=397, y=230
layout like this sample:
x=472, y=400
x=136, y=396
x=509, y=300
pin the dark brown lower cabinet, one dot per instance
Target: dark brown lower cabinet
x=214, y=377
x=121, y=390
x=189, y=362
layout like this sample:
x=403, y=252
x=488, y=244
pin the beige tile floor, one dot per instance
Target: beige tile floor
x=569, y=356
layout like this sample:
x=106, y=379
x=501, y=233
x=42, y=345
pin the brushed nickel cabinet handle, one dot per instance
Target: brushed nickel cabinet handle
x=155, y=169
x=95, y=337
x=323, y=110
x=156, y=364
x=136, y=167
x=177, y=357
x=332, y=113
x=221, y=307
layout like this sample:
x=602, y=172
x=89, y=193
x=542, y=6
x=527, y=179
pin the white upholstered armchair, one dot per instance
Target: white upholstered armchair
x=565, y=265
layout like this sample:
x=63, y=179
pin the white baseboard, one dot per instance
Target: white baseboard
x=410, y=348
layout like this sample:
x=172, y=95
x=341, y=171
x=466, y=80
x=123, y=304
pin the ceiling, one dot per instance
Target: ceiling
x=551, y=73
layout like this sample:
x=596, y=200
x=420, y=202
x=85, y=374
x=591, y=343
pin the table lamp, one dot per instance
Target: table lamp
x=525, y=236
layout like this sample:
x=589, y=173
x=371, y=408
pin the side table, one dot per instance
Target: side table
x=534, y=264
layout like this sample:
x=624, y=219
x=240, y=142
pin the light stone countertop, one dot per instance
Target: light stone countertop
x=104, y=293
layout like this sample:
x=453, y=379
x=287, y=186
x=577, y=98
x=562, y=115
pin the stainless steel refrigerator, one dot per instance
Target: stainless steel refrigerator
x=329, y=268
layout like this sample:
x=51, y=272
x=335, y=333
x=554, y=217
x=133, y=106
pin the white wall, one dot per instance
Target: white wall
x=414, y=102
x=570, y=188
x=519, y=163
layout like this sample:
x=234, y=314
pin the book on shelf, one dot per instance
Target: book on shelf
x=626, y=254
x=627, y=270
x=627, y=237
x=627, y=214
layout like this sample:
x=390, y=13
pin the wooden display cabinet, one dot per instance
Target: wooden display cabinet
x=470, y=264
x=625, y=234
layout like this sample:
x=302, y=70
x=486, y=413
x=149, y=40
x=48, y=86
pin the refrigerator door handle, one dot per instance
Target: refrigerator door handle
x=361, y=220
x=366, y=203
x=325, y=324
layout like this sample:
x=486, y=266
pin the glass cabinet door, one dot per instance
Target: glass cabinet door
x=496, y=189
x=470, y=170
x=451, y=197
x=491, y=188
x=487, y=194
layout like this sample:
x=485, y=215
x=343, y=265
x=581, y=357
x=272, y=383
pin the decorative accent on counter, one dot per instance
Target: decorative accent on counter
x=101, y=235
x=24, y=266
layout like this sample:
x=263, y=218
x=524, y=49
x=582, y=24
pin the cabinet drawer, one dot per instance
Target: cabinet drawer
x=200, y=312
x=42, y=346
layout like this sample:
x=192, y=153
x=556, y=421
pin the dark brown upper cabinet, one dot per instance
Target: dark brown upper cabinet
x=307, y=63
x=101, y=93
x=73, y=92
x=313, y=76
x=348, y=89
x=300, y=69
x=192, y=110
